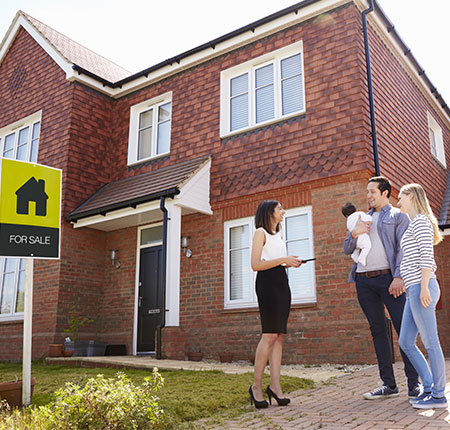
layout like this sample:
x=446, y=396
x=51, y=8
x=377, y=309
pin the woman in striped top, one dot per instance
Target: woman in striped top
x=419, y=315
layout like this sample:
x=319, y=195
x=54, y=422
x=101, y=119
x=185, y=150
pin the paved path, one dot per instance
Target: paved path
x=338, y=405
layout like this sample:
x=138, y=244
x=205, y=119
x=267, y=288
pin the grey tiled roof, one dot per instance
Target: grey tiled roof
x=77, y=54
x=138, y=189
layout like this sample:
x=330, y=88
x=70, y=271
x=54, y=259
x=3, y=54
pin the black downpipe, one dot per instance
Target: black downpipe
x=159, y=328
x=369, y=84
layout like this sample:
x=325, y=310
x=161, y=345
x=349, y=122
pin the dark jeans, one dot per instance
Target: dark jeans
x=373, y=294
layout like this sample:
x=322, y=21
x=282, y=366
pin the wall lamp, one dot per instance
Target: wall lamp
x=113, y=255
x=184, y=246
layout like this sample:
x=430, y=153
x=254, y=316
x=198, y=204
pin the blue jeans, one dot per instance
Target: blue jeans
x=417, y=319
x=373, y=295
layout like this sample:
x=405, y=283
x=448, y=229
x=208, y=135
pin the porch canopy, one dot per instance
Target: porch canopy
x=444, y=218
x=135, y=200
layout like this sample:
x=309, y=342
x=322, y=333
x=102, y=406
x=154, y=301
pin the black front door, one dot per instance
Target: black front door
x=149, y=300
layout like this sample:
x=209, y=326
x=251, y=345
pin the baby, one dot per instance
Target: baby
x=363, y=243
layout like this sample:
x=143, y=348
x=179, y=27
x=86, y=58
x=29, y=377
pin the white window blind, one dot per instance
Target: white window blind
x=263, y=90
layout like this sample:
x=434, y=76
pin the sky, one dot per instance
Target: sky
x=137, y=34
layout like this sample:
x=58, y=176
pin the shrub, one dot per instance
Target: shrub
x=103, y=403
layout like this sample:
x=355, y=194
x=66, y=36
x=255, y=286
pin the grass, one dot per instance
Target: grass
x=186, y=396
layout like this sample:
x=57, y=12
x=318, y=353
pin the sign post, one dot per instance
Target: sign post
x=30, y=221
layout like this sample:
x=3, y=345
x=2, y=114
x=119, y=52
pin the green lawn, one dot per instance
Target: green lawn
x=186, y=396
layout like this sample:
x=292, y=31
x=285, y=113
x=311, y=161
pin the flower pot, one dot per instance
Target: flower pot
x=55, y=350
x=195, y=355
x=226, y=357
x=68, y=352
x=81, y=347
x=11, y=391
x=251, y=358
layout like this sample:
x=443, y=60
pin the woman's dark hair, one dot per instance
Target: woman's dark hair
x=264, y=215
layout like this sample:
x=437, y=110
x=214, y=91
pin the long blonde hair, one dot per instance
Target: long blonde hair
x=422, y=206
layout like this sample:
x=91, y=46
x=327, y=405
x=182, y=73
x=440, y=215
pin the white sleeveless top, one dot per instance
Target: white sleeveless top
x=274, y=247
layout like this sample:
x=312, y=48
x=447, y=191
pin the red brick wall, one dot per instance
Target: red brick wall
x=330, y=139
x=402, y=126
x=333, y=330
x=442, y=255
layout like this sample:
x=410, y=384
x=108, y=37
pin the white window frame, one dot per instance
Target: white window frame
x=250, y=67
x=250, y=221
x=133, y=138
x=435, y=132
x=15, y=128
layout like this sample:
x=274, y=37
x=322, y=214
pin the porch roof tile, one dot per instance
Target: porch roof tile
x=139, y=189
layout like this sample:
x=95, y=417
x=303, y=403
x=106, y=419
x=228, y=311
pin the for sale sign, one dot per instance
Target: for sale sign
x=30, y=210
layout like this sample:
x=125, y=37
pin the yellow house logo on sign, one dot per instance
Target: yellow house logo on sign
x=30, y=209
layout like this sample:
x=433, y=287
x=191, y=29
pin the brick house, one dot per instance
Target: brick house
x=166, y=167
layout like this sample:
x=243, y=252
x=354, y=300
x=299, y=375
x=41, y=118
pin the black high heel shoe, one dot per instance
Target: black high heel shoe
x=258, y=404
x=281, y=402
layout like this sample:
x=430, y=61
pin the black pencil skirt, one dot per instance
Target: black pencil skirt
x=274, y=299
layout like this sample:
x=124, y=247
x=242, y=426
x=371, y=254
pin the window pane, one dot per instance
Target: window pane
x=36, y=130
x=146, y=118
x=300, y=279
x=151, y=235
x=34, y=150
x=23, y=136
x=9, y=144
x=239, y=274
x=265, y=108
x=20, y=292
x=163, y=137
x=22, y=153
x=164, y=112
x=291, y=66
x=297, y=227
x=239, y=112
x=7, y=293
x=10, y=265
x=145, y=143
x=292, y=95
x=264, y=76
x=433, y=142
x=239, y=237
x=239, y=85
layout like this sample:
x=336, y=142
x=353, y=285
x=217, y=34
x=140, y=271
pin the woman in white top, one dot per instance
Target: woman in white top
x=270, y=259
x=419, y=315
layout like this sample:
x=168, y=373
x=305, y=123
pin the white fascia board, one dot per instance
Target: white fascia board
x=62, y=62
x=116, y=214
x=195, y=187
x=380, y=28
x=220, y=49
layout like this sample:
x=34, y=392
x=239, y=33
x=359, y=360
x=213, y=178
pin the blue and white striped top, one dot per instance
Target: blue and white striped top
x=417, y=247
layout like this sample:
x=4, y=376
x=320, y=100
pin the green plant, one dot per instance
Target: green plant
x=103, y=403
x=75, y=323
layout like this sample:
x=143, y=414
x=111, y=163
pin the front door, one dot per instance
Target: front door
x=149, y=300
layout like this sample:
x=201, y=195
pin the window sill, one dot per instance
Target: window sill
x=274, y=121
x=256, y=309
x=11, y=319
x=148, y=159
x=439, y=162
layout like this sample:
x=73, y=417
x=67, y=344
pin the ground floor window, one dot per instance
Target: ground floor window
x=12, y=287
x=297, y=231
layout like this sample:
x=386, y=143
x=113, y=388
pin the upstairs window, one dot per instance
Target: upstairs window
x=263, y=90
x=150, y=124
x=18, y=141
x=436, y=141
